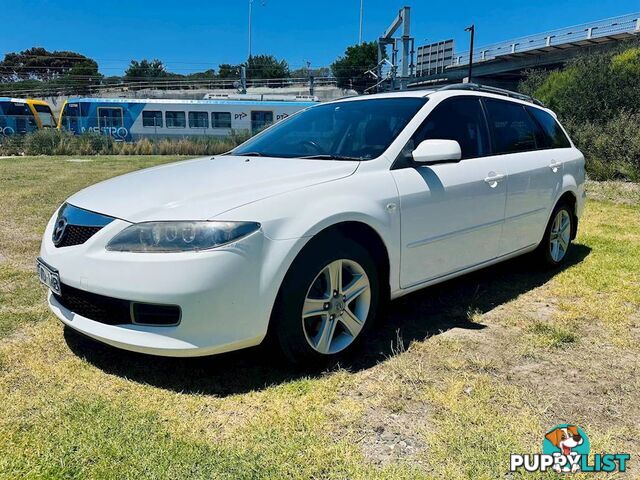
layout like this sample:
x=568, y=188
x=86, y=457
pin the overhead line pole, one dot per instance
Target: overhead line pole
x=250, y=5
x=472, y=31
x=361, y=10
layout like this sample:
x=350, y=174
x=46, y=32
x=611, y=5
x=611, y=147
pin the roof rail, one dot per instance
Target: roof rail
x=476, y=87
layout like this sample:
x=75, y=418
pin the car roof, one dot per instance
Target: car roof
x=451, y=91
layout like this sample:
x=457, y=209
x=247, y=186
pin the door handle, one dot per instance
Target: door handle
x=555, y=166
x=494, y=179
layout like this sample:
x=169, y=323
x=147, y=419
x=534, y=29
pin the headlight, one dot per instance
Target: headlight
x=179, y=236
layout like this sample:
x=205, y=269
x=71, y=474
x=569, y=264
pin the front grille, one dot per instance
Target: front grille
x=74, y=225
x=77, y=235
x=116, y=311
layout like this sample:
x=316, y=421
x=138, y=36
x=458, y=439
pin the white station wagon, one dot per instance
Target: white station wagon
x=305, y=230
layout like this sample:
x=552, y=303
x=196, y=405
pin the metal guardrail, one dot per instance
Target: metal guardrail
x=585, y=33
x=172, y=84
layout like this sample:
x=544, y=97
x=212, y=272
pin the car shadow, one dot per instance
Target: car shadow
x=414, y=317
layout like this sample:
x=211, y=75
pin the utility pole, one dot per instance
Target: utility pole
x=472, y=31
x=360, y=35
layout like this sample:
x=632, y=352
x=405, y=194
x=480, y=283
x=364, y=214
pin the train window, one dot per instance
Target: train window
x=20, y=115
x=152, y=118
x=109, y=117
x=70, y=117
x=46, y=116
x=198, y=120
x=220, y=120
x=260, y=120
x=175, y=120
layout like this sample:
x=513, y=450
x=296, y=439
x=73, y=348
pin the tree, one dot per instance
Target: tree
x=350, y=69
x=593, y=87
x=38, y=63
x=314, y=72
x=267, y=66
x=145, y=70
x=226, y=70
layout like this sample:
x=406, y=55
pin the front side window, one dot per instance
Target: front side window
x=110, y=117
x=175, y=120
x=198, y=120
x=351, y=130
x=221, y=120
x=460, y=119
x=512, y=128
x=553, y=135
x=152, y=118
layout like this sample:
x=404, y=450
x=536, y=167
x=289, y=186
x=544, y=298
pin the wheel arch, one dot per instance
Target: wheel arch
x=570, y=198
x=364, y=234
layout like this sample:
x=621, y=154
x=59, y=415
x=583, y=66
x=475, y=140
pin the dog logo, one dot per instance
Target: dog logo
x=59, y=230
x=566, y=449
x=569, y=441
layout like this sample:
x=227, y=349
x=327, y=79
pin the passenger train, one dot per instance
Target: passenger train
x=20, y=116
x=127, y=119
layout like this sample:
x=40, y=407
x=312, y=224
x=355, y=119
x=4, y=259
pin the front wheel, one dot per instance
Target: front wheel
x=557, y=237
x=327, y=302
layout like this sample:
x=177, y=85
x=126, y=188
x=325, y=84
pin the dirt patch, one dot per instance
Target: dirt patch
x=614, y=191
x=387, y=437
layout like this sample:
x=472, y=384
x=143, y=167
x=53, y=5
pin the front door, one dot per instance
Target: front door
x=451, y=214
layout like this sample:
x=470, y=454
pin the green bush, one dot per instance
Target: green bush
x=612, y=148
x=58, y=142
x=12, y=145
x=597, y=97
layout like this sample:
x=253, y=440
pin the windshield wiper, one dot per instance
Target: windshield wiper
x=248, y=154
x=331, y=157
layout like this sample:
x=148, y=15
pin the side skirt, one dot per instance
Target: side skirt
x=443, y=278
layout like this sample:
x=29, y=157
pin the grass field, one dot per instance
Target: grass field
x=458, y=376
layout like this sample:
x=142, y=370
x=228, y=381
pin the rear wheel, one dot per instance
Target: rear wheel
x=557, y=237
x=327, y=302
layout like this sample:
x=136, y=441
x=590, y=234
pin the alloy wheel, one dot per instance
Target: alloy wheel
x=560, y=235
x=336, y=306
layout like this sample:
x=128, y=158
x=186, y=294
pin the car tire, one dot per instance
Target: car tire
x=556, y=243
x=310, y=287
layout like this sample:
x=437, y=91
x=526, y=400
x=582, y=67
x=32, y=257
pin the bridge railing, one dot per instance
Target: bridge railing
x=587, y=31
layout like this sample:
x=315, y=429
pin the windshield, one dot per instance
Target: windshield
x=46, y=117
x=356, y=130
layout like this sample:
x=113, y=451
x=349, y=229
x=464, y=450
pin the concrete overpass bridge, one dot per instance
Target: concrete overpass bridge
x=502, y=64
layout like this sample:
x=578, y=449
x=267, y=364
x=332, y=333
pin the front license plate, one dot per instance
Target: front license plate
x=49, y=276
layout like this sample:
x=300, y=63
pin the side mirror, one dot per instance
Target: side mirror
x=437, y=151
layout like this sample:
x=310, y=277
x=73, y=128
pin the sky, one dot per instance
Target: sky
x=193, y=35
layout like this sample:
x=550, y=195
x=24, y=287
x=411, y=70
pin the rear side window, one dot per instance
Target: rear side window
x=175, y=120
x=152, y=118
x=512, y=128
x=553, y=136
x=460, y=119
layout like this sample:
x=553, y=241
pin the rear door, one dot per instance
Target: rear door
x=534, y=177
x=451, y=214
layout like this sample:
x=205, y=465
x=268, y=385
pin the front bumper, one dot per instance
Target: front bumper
x=224, y=296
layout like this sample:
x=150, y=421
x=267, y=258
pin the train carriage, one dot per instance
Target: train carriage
x=132, y=119
x=20, y=116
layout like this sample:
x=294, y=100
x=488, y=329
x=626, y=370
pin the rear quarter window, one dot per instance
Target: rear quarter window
x=554, y=136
